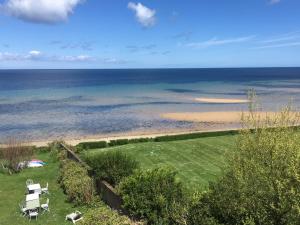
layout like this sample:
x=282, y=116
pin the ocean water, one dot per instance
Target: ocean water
x=52, y=104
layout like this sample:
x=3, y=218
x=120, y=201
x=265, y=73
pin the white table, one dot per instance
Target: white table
x=32, y=201
x=34, y=188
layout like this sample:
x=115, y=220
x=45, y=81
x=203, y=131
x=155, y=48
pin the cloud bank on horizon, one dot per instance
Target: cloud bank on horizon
x=40, y=11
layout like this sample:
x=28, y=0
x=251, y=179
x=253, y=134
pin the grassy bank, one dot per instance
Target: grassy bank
x=12, y=192
x=197, y=161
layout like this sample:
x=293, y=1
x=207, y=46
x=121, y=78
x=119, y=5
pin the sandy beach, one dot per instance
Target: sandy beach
x=209, y=117
x=222, y=100
x=76, y=141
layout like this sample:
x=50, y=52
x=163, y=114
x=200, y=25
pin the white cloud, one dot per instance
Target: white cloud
x=40, y=11
x=35, y=55
x=272, y=2
x=78, y=58
x=144, y=15
x=284, y=37
x=288, y=44
x=32, y=55
x=217, y=42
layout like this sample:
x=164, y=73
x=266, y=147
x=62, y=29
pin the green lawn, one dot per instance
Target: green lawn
x=12, y=192
x=197, y=161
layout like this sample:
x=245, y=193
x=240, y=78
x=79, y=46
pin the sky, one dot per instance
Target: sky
x=149, y=33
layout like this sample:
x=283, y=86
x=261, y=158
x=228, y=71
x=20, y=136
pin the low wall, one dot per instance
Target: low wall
x=108, y=194
x=72, y=156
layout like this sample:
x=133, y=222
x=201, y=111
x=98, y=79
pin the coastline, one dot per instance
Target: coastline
x=108, y=138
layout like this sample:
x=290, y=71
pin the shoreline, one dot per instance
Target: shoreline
x=76, y=141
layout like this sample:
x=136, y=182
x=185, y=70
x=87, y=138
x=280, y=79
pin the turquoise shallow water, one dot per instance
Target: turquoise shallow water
x=51, y=104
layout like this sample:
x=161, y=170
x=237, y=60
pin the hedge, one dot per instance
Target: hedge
x=112, y=166
x=76, y=183
x=156, y=196
x=102, y=215
x=104, y=144
x=91, y=145
x=194, y=135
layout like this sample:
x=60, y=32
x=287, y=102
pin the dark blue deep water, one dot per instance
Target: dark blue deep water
x=32, y=79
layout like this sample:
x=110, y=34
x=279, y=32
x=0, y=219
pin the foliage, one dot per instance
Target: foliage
x=194, y=136
x=76, y=183
x=90, y=145
x=262, y=182
x=199, y=212
x=112, y=166
x=55, y=150
x=118, y=142
x=13, y=154
x=103, y=144
x=154, y=195
x=102, y=215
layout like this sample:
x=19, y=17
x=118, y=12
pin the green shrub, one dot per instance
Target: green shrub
x=155, y=195
x=112, y=166
x=102, y=215
x=261, y=184
x=200, y=213
x=193, y=136
x=90, y=145
x=55, y=150
x=76, y=183
x=118, y=142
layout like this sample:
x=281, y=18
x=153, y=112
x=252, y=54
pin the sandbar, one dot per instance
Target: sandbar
x=222, y=100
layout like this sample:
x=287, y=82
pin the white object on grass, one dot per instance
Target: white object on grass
x=45, y=189
x=29, y=182
x=74, y=217
x=32, y=201
x=45, y=206
x=34, y=188
x=33, y=213
x=23, y=209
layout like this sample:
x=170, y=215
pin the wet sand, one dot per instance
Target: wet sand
x=222, y=100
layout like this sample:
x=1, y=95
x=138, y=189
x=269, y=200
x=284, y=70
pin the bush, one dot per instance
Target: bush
x=180, y=137
x=13, y=154
x=55, y=150
x=90, y=145
x=261, y=184
x=102, y=215
x=199, y=212
x=112, y=166
x=76, y=183
x=155, y=195
x=118, y=142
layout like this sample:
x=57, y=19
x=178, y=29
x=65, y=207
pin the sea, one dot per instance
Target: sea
x=68, y=104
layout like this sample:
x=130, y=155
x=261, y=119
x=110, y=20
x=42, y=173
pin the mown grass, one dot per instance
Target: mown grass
x=197, y=161
x=12, y=192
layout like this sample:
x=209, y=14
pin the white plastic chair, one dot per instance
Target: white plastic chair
x=74, y=217
x=45, y=189
x=33, y=213
x=45, y=206
x=23, y=209
x=29, y=182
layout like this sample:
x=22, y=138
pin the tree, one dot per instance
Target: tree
x=261, y=184
x=155, y=195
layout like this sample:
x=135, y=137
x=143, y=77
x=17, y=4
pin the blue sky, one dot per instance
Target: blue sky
x=149, y=33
